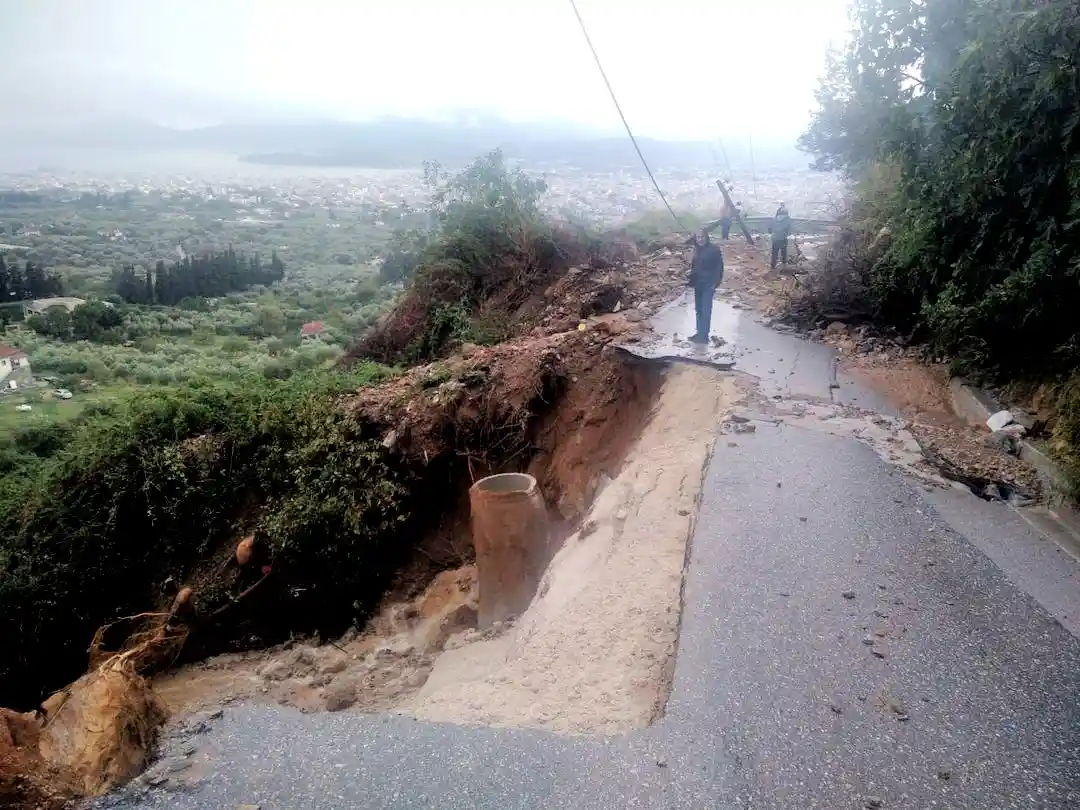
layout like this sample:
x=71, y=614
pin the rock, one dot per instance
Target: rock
x=848, y=594
x=836, y=328
x=245, y=549
x=302, y=656
x=1019, y=431
x=333, y=663
x=874, y=802
x=339, y=695
x=1003, y=441
x=463, y=617
x=878, y=653
x=992, y=492
x=275, y=671
x=175, y=764
x=744, y=427
x=999, y=420
x=1023, y=419
x=868, y=641
x=390, y=440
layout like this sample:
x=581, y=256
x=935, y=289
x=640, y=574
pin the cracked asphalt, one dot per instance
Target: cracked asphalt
x=849, y=639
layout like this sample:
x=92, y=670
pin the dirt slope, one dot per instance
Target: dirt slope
x=592, y=652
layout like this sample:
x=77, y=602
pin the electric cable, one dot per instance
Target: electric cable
x=615, y=101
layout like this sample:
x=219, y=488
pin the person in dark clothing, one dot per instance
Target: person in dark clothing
x=726, y=215
x=706, y=273
x=780, y=230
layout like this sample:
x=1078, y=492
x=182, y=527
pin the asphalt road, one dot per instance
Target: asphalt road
x=849, y=639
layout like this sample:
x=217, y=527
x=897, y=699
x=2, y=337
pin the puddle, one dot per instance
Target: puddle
x=675, y=323
x=786, y=365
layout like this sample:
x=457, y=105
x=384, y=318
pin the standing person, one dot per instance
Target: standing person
x=706, y=273
x=780, y=230
x=726, y=215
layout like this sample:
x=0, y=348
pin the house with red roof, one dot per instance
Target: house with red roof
x=312, y=330
x=14, y=368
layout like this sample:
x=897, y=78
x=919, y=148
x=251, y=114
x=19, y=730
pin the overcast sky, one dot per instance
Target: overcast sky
x=681, y=68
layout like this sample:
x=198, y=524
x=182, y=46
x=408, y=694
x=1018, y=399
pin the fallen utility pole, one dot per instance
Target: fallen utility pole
x=738, y=214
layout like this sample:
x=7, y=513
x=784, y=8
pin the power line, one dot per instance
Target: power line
x=626, y=124
x=723, y=151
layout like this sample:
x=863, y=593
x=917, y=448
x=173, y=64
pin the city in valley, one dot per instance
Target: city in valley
x=96, y=233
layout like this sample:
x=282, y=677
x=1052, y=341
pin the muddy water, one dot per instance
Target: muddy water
x=785, y=365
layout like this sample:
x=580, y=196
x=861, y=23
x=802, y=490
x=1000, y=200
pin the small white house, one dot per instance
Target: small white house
x=14, y=368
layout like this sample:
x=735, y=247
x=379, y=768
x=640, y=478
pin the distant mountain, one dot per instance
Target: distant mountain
x=406, y=143
x=382, y=143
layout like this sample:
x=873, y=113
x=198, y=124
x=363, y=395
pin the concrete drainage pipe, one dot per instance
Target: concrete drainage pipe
x=512, y=537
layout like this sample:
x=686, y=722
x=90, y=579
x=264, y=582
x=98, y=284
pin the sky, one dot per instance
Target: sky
x=682, y=69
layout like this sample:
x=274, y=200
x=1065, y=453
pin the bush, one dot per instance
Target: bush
x=982, y=197
x=149, y=488
x=490, y=242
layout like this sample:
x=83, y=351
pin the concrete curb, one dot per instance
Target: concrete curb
x=975, y=406
x=971, y=404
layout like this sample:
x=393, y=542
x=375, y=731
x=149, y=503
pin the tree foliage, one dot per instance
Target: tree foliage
x=112, y=506
x=94, y=321
x=975, y=107
x=28, y=282
x=208, y=276
x=486, y=239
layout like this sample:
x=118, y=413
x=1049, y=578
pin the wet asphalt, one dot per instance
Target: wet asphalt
x=849, y=639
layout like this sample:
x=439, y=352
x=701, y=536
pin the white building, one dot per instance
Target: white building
x=14, y=368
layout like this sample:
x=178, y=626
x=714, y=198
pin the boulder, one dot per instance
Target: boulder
x=340, y=695
x=999, y=420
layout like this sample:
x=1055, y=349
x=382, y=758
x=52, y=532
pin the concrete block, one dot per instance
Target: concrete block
x=971, y=404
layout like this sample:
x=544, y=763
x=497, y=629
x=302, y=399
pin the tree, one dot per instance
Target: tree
x=975, y=107
x=127, y=285
x=161, y=283
x=209, y=276
x=90, y=321
x=15, y=283
x=54, y=322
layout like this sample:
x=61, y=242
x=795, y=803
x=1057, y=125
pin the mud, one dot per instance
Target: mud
x=592, y=653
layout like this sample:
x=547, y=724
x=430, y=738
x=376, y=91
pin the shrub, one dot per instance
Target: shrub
x=490, y=242
x=149, y=488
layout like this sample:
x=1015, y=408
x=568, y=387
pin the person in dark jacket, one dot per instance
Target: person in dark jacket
x=780, y=230
x=706, y=273
x=727, y=213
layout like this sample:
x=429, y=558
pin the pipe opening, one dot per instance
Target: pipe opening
x=506, y=483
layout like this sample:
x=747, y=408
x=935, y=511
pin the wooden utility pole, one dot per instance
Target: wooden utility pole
x=738, y=214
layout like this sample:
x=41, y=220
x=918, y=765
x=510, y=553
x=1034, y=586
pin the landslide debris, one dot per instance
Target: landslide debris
x=288, y=547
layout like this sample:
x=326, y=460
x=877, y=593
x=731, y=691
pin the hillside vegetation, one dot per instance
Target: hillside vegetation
x=958, y=122
x=108, y=514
